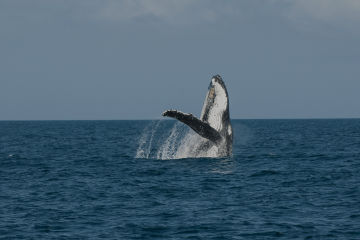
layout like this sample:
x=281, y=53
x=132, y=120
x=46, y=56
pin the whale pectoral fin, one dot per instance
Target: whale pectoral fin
x=200, y=127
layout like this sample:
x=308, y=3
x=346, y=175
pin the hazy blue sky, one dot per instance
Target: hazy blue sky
x=132, y=59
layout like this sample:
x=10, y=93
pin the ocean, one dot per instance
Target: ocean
x=287, y=179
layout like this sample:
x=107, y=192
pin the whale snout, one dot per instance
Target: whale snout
x=217, y=77
x=217, y=80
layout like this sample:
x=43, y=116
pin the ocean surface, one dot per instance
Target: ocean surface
x=287, y=179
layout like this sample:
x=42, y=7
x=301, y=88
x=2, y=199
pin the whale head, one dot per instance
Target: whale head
x=215, y=110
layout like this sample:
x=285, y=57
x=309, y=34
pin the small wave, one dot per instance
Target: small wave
x=265, y=173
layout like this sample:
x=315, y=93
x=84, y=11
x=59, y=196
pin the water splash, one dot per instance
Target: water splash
x=146, y=140
x=175, y=142
x=168, y=149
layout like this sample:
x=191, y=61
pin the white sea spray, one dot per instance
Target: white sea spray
x=175, y=143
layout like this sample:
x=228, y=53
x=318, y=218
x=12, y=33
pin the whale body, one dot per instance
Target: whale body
x=214, y=124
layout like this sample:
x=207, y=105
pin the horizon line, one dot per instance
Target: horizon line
x=167, y=119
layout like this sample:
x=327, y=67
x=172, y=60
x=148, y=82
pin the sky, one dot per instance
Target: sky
x=133, y=59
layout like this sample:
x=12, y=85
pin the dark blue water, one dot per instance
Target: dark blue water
x=288, y=179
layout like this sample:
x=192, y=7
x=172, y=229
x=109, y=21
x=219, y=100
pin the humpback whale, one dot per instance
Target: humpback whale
x=214, y=124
